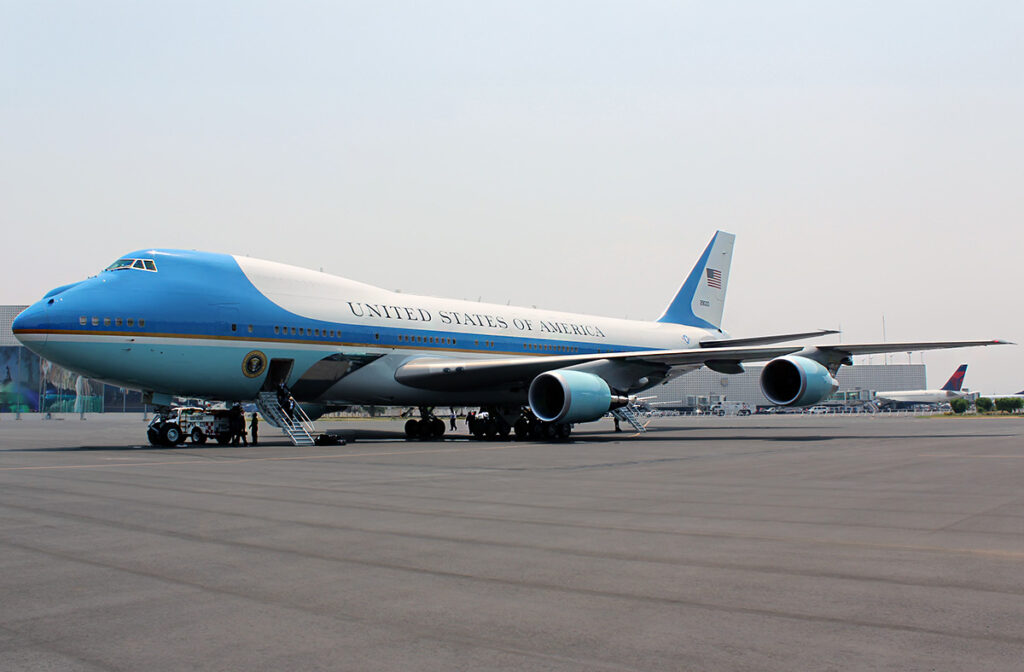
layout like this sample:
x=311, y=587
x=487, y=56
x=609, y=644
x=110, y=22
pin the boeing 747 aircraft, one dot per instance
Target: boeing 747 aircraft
x=230, y=328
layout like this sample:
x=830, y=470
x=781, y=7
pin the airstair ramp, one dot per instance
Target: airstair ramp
x=631, y=414
x=299, y=428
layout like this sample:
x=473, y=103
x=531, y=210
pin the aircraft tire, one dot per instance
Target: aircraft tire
x=412, y=429
x=198, y=437
x=522, y=429
x=437, y=427
x=563, y=431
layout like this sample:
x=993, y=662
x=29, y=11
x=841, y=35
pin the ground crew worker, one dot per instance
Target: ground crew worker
x=254, y=427
x=238, y=426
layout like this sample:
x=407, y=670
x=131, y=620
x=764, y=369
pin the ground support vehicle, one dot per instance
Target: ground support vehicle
x=731, y=408
x=176, y=425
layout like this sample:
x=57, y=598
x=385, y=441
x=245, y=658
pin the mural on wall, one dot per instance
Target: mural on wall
x=64, y=391
x=19, y=380
x=29, y=384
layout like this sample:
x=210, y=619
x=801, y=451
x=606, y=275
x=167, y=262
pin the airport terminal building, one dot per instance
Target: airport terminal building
x=30, y=384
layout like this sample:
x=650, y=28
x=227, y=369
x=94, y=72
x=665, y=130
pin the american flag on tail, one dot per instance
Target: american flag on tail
x=714, y=278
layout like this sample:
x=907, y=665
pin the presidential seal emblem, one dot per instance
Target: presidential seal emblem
x=254, y=364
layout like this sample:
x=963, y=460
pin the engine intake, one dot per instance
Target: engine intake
x=571, y=396
x=796, y=381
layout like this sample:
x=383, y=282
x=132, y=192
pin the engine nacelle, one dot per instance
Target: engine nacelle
x=796, y=381
x=571, y=396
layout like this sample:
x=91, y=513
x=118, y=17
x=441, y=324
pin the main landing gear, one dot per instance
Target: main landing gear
x=428, y=426
x=491, y=424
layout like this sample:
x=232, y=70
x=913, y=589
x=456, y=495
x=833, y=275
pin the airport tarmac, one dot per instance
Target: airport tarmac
x=760, y=543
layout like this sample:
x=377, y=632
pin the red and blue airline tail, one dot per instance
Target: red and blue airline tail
x=956, y=380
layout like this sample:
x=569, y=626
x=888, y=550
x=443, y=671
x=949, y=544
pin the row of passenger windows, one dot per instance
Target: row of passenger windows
x=330, y=333
x=108, y=321
x=301, y=331
x=550, y=348
x=437, y=340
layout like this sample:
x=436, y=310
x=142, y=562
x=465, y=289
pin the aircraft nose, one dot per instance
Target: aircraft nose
x=31, y=325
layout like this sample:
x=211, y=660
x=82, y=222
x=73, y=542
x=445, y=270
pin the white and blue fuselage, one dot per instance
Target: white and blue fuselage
x=198, y=324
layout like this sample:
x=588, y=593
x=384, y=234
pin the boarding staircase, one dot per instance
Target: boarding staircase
x=299, y=427
x=631, y=414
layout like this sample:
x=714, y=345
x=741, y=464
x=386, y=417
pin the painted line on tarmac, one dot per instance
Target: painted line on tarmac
x=963, y=455
x=239, y=460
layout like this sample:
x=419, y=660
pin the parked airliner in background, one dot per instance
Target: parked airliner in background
x=949, y=391
x=222, y=327
x=1001, y=396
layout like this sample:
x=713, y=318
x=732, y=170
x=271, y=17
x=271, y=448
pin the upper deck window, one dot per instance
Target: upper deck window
x=137, y=264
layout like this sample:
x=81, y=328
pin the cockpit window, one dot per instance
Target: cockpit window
x=138, y=264
x=120, y=263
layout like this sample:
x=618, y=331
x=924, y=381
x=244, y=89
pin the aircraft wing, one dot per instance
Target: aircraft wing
x=434, y=373
x=449, y=374
x=880, y=348
x=765, y=340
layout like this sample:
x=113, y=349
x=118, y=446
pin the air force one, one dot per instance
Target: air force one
x=230, y=328
x=951, y=390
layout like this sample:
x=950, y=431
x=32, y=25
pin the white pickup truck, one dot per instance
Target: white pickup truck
x=731, y=408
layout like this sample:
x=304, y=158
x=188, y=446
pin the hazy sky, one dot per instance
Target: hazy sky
x=869, y=156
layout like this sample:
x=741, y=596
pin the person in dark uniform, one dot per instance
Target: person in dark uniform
x=451, y=418
x=254, y=427
x=238, y=426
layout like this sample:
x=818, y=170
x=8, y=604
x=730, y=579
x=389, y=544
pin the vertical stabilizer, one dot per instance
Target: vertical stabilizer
x=956, y=381
x=701, y=299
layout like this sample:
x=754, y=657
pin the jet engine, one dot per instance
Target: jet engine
x=571, y=396
x=796, y=381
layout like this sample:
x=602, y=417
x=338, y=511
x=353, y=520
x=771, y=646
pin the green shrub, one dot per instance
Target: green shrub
x=1009, y=404
x=958, y=405
x=983, y=404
